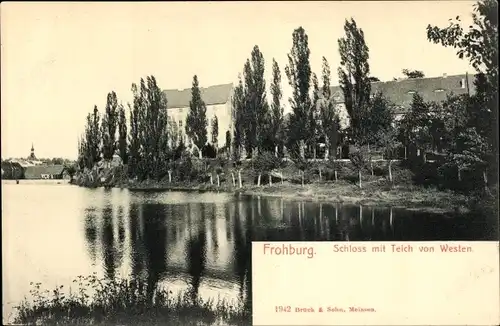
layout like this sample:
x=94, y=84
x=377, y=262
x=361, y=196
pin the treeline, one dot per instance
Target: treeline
x=462, y=129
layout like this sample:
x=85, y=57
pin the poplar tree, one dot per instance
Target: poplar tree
x=314, y=116
x=330, y=121
x=238, y=110
x=134, y=146
x=258, y=99
x=154, y=137
x=298, y=72
x=93, y=138
x=255, y=111
x=249, y=114
x=122, y=134
x=109, y=124
x=276, y=121
x=196, y=122
x=354, y=78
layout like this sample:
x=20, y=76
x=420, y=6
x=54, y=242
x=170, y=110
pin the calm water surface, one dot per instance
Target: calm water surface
x=53, y=232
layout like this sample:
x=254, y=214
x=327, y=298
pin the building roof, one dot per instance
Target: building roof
x=217, y=94
x=400, y=92
x=33, y=172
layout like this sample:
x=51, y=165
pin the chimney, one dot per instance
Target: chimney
x=445, y=75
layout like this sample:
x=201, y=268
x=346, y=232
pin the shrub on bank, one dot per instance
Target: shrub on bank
x=100, y=301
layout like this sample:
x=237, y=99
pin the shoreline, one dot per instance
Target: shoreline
x=410, y=197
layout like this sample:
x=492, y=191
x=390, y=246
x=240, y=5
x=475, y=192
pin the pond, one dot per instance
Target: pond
x=53, y=232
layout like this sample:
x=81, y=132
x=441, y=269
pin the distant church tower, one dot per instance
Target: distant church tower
x=32, y=155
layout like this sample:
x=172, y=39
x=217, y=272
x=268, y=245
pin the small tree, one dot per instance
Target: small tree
x=196, y=122
x=410, y=74
x=219, y=169
x=358, y=160
x=265, y=163
x=215, y=133
x=71, y=169
x=389, y=142
x=470, y=153
x=334, y=165
x=416, y=125
x=301, y=163
x=228, y=144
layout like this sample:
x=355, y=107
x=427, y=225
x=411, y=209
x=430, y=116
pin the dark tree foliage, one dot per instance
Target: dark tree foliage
x=196, y=122
x=256, y=115
x=411, y=74
x=134, y=145
x=122, y=134
x=478, y=44
x=215, y=131
x=354, y=79
x=330, y=121
x=276, y=121
x=109, y=124
x=238, y=111
x=299, y=76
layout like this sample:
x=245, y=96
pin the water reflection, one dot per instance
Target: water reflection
x=206, y=244
x=198, y=241
x=196, y=251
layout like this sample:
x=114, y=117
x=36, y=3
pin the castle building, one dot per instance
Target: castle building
x=217, y=99
x=400, y=92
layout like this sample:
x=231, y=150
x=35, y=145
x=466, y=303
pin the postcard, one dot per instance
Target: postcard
x=250, y=163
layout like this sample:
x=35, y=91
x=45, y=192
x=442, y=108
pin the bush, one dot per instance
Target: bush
x=266, y=162
x=120, y=301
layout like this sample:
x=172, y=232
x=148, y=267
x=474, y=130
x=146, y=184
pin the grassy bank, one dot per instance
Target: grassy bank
x=123, y=302
x=419, y=187
x=374, y=193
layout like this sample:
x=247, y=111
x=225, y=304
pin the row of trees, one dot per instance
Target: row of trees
x=315, y=117
x=259, y=126
x=456, y=128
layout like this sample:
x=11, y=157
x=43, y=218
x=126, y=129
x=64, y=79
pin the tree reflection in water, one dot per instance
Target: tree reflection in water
x=196, y=241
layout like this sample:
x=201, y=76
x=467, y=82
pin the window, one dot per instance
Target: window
x=462, y=83
x=180, y=123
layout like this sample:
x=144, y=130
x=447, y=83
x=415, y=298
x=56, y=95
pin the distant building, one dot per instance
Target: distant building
x=46, y=172
x=218, y=102
x=400, y=92
x=31, y=160
x=32, y=154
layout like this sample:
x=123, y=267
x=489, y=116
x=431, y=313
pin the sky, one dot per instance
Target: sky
x=61, y=59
